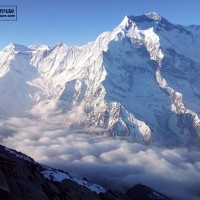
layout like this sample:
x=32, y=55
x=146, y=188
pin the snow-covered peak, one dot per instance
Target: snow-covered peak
x=103, y=77
x=60, y=44
x=151, y=18
x=145, y=21
x=155, y=16
x=126, y=24
x=139, y=22
x=125, y=21
x=16, y=47
x=39, y=47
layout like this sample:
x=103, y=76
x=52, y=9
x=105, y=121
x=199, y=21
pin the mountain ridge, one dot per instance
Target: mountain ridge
x=23, y=178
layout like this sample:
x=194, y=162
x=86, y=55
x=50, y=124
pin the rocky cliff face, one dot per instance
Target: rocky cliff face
x=140, y=80
x=21, y=178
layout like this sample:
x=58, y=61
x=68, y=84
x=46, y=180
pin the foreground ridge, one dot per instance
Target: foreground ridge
x=23, y=178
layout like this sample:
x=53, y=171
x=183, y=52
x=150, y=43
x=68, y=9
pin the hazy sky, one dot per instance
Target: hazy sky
x=76, y=22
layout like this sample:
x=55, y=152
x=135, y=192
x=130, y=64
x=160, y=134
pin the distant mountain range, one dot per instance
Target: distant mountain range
x=140, y=80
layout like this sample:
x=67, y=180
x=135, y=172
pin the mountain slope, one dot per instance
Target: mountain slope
x=139, y=81
x=22, y=178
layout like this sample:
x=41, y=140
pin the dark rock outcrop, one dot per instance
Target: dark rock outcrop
x=142, y=192
x=21, y=179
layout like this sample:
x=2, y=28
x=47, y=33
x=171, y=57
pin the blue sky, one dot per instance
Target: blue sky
x=77, y=22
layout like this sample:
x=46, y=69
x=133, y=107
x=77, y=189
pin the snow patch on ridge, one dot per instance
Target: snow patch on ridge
x=60, y=176
x=154, y=16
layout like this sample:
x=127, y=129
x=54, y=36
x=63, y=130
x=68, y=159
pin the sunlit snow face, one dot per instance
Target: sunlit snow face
x=112, y=162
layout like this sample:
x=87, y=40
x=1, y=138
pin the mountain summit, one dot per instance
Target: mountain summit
x=149, y=17
x=154, y=16
x=140, y=80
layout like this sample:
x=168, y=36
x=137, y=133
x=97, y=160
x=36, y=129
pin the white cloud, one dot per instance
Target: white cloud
x=112, y=162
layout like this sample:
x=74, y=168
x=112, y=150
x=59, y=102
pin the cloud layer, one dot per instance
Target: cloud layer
x=112, y=162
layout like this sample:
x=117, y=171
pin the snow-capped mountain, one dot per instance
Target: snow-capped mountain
x=140, y=80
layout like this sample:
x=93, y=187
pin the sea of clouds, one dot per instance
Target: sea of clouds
x=112, y=162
